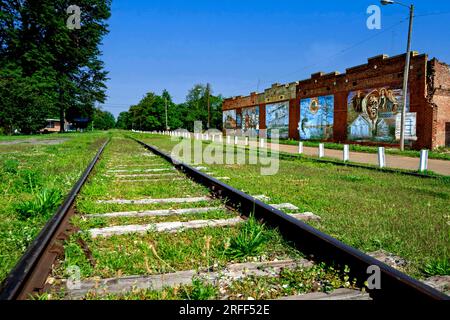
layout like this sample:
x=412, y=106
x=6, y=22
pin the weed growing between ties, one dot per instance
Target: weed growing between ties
x=250, y=241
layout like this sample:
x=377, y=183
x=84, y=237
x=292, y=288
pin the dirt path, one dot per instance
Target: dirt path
x=392, y=161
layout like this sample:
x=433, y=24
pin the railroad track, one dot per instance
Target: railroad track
x=148, y=226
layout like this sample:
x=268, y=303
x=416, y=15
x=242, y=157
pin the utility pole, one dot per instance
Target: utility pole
x=165, y=103
x=405, y=79
x=208, y=88
x=407, y=66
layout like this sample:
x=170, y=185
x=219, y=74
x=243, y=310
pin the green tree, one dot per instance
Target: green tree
x=197, y=107
x=61, y=65
x=124, y=121
x=102, y=120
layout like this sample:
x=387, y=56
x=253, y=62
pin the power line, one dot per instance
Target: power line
x=432, y=14
x=336, y=54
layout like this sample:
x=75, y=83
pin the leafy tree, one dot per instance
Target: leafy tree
x=123, y=121
x=197, y=107
x=102, y=120
x=58, y=66
x=150, y=112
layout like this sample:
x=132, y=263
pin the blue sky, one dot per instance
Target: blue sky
x=241, y=46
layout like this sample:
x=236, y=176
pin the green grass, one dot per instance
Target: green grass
x=33, y=178
x=367, y=209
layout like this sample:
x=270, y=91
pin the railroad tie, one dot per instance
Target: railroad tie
x=157, y=175
x=230, y=273
x=156, y=201
x=144, y=170
x=306, y=216
x=154, y=213
x=163, y=227
x=286, y=206
x=338, y=294
x=150, y=180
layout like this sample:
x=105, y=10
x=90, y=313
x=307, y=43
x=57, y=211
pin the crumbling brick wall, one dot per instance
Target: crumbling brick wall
x=438, y=96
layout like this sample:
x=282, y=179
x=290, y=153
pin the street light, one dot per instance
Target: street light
x=406, y=74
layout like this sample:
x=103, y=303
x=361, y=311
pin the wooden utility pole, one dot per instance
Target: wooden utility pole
x=165, y=104
x=209, y=108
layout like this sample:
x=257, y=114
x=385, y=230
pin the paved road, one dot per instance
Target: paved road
x=392, y=161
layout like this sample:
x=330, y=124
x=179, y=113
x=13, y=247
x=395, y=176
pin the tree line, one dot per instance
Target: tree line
x=48, y=70
x=150, y=113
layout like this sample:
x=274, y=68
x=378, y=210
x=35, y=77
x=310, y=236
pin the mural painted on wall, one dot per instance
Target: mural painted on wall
x=238, y=121
x=277, y=117
x=372, y=114
x=316, y=118
x=250, y=121
x=229, y=119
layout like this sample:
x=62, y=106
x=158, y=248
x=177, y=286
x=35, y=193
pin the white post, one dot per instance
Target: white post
x=246, y=141
x=346, y=152
x=321, y=150
x=206, y=137
x=381, y=157
x=261, y=143
x=236, y=140
x=300, y=147
x=228, y=139
x=220, y=138
x=423, y=166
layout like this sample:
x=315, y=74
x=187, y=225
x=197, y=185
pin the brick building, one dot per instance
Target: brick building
x=360, y=106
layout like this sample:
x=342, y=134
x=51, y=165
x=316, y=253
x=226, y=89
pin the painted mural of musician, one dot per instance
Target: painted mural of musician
x=371, y=114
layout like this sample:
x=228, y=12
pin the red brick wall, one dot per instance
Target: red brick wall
x=294, y=118
x=439, y=96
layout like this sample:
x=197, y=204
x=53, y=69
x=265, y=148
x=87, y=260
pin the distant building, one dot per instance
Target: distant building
x=381, y=77
x=54, y=125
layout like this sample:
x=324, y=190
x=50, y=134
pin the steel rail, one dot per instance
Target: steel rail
x=317, y=245
x=31, y=272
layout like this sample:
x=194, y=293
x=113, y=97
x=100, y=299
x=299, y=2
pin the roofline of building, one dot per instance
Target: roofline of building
x=323, y=75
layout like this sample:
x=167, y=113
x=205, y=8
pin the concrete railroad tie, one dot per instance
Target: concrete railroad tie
x=154, y=213
x=149, y=180
x=163, y=227
x=176, y=226
x=153, y=201
x=230, y=273
x=145, y=170
x=287, y=206
x=146, y=175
